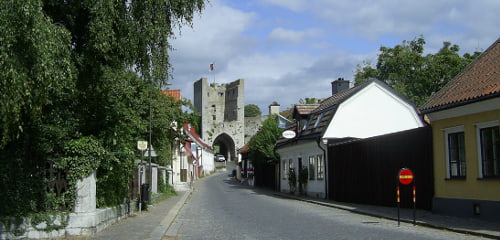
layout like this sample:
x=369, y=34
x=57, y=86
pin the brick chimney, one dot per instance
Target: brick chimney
x=339, y=85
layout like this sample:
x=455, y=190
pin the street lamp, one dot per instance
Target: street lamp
x=150, y=153
x=141, y=145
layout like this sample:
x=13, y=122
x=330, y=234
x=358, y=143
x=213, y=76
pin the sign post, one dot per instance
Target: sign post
x=141, y=145
x=406, y=177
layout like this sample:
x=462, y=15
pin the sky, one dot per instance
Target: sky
x=287, y=50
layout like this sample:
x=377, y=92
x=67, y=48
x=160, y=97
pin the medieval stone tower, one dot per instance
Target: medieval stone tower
x=222, y=109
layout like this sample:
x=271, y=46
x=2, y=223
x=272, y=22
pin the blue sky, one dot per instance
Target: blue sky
x=287, y=50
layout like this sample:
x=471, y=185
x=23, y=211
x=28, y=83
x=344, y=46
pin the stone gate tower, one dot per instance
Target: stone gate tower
x=222, y=114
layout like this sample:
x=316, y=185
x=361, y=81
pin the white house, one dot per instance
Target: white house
x=202, y=152
x=366, y=110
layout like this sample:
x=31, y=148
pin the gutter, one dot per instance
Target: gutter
x=318, y=141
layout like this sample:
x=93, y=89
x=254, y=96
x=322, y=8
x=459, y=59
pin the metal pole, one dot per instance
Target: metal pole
x=398, y=199
x=414, y=203
x=140, y=183
x=149, y=154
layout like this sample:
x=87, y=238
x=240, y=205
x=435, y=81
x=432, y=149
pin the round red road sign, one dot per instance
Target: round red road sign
x=405, y=176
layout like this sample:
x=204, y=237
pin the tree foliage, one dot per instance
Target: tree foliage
x=80, y=80
x=413, y=74
x=262, y=143
x=308, y=101
x=252, y=110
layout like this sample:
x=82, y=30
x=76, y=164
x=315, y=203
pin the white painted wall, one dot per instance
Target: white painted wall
x=371, y=112
x=315, y=188
x=207, y=160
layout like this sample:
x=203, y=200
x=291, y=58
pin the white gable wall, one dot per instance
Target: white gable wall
x=371, y=112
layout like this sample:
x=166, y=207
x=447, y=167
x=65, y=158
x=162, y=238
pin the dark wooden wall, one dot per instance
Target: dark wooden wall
x=365, y=171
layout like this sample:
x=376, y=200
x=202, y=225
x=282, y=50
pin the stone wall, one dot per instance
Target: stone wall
x=86, y=220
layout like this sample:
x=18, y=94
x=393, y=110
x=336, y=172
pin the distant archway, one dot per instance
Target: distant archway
x=226, y=146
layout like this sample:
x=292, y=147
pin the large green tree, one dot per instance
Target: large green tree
x=262, y=143
x=252, y=110
x=83, y=77
x=415, y=75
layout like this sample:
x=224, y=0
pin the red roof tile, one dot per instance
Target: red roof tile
x=245, y=148
x=176, y=94
x=479, y=80
x=192, y=133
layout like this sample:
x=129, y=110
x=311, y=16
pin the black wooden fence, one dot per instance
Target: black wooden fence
x=265, y=176
x=365, y=171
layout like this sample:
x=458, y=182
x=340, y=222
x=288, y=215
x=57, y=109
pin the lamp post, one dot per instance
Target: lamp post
x=150, y=153
x=141, y=145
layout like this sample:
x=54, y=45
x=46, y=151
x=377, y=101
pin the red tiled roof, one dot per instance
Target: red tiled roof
x=245, y=148
x=176, y=94
x=479, y=80
x=304, y=109
x=192, y=133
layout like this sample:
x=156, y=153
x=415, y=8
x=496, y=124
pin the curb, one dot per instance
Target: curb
x=160, y=230
x=420, y=223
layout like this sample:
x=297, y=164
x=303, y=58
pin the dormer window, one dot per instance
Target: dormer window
x=318, y=120
x=306, y=123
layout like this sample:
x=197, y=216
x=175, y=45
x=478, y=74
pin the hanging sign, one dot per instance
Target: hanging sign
x=288, y=134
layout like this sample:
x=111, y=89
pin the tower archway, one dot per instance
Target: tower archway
x=226, y=146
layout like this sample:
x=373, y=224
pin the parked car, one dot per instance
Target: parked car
x=220, y=158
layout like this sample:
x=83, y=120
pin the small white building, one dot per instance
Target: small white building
x=202, y=153
x=366, y=110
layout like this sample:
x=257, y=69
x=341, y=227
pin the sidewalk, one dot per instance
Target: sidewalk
x=423, y=217
x=150, y=224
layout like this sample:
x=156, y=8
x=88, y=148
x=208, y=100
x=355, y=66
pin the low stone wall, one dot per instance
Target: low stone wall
x=86, y=219
x=71, y=224
x=64, y=224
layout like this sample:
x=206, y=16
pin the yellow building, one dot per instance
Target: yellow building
x=465, y=119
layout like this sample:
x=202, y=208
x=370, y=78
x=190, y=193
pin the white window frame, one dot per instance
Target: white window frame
x=448, y=131
x=320, y=169
x=318, y=120
x=480, y=126
x=312, y=169
x=285, y=169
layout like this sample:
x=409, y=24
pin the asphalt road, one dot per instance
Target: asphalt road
x=222, y=208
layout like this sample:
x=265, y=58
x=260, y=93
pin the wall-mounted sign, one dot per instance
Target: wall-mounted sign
x=288, y=134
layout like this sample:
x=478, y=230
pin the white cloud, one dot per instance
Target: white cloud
x=296, y=51
x=294, y=5
x=292, y=36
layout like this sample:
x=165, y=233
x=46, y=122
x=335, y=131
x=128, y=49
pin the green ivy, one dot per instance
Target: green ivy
x=82, y=157
x=13, y=225
x=50, y=219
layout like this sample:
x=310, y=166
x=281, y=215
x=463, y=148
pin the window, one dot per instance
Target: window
x=489, y=141
x=290, y=165
x=285, y=169
x=455, y=152
x=318, y=120
x=312, y=168
x=320, y=167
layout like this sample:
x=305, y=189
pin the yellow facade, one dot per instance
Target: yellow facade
x=472, y=187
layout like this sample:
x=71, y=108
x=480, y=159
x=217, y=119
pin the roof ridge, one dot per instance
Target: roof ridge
x=479, y=79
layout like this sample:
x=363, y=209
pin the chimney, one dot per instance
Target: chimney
x=274, y=108
x=339, y=85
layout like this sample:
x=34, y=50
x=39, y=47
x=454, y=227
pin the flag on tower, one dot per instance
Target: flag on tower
x=211, y=67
